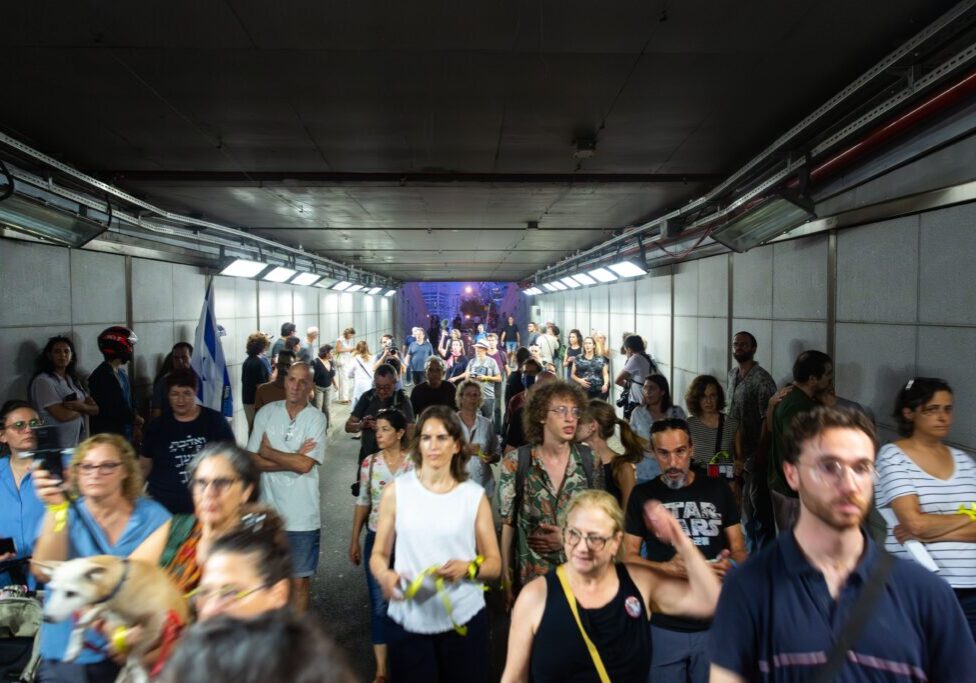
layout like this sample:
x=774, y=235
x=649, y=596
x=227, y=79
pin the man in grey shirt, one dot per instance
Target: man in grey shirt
x=484, y=370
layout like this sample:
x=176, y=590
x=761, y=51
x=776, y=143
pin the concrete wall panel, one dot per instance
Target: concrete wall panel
x=152, y=291
x=946, y=352
x=97, y=288
x=871, y=378
x=752, y=274
x=713, y=286
x=878, y=258
x=40, y=276
x=686, y=288
x=947, y=295
x=800, y=279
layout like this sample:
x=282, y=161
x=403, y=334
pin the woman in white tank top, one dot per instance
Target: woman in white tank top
x=444, y=535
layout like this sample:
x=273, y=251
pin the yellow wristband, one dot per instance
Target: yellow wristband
x=969, y=512
x=474, y=566
x=118, y=639
x=60, y=514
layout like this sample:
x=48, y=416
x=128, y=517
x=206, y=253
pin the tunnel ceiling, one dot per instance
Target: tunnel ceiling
x=418, y=139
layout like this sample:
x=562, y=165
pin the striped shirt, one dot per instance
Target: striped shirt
x=898, y=476
x=703, y=439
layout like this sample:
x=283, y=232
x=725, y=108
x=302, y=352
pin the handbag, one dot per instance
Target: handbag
x=571, y=599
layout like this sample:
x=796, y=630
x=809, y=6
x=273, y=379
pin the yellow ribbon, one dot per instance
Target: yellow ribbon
x=118, y=639
x=60, y=512
x=441, y=587
x=969, y=512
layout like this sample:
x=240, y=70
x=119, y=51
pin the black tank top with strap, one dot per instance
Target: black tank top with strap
x=620, y=630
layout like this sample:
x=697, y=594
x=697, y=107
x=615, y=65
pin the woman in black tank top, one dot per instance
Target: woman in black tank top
x=612, y=601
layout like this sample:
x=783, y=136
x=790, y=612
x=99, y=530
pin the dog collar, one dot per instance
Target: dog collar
x=118, y=586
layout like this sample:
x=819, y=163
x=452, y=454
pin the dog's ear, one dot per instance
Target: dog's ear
x=47, y=566
x=95, y=574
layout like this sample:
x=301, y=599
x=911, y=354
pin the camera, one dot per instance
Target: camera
x=48, y=451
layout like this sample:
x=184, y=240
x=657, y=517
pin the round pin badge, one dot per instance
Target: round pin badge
x=633, y=607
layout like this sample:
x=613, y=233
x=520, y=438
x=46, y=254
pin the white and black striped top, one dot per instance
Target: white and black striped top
x=898, y=476
x=703, y=439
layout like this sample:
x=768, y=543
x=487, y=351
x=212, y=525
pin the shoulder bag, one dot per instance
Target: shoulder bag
x=601, y=670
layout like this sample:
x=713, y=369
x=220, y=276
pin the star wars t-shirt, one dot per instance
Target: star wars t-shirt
x=704, y=509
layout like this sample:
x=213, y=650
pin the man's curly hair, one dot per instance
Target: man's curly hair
x=537, y=406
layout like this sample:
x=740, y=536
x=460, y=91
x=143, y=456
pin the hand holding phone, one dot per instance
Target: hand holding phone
x=7, y=547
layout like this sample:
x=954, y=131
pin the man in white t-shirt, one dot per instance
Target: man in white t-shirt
x=288, y=445
x=485, y=371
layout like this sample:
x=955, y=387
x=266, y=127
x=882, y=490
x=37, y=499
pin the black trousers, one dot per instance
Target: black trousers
x=439, y=657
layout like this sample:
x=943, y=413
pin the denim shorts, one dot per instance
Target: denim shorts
x=510, y=347
x=304, y=552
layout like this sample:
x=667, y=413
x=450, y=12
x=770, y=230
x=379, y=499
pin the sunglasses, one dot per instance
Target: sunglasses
x=22, y=425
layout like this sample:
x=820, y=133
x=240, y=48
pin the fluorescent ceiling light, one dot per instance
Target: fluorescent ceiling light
x=243, y=268
x=550, y=287
x=374, y=290
x=48, y=222
x=584, y=279
x=325, y=283
x=390, y=293
x=627, y=269
x=762, y=222
x=560, y=286
x=603, y=275
x=305, y=279
x=569, y=282
x=354, y=288
x=342, y=285
x=279, y=274
x=533, y=291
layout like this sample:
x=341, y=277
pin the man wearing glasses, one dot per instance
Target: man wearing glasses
x=823, y=602
x=20, y=510
x=538, y=480
x=288, y=445
x=362, y=420
x=707, y=513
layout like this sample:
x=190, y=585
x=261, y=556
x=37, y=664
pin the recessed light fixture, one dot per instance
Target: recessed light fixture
x=374, y=290
x=560, y=286
x=354, y=288
x=390, y=293
x=342, y=286
x=279, y=274
x=584, y=279
x=550, y=287
x=569, y=282
x=603, y=275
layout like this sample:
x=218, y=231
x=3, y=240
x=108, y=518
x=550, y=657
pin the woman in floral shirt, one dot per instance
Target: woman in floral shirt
x=375, y=473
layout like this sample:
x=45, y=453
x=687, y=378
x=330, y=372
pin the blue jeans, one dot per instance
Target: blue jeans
x=678, y=657
x=304, y=552
x=377, y=603
x=967, y=600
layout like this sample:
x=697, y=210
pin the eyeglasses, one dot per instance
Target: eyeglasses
x=222, y=595
x=593, y=542
x=565, y=411
x=22, y=425
x=102, y=468
x=219, y=484
x=833, y=472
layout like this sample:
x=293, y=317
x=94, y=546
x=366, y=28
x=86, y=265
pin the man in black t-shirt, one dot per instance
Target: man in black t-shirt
x=176, y=436
x=435, y=391
x=706, y=510
x=362, y=420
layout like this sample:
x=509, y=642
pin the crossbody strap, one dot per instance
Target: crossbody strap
x=718, y=436
x=571, y=599
x=861, y=612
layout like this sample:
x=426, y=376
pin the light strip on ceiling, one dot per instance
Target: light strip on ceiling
x=243, y=268
x=279, y=274
x=627, y=269
x=354, y=288
x=549, y=287
x=560, y=286
x=374, y=290
x=569, y=282
x=305, y=279
x=584, y=279
x=342, y=286
x=603, y=275
x=390, y=293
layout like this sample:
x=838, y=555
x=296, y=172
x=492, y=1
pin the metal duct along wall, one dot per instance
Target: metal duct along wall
x=889, y=300
x=52, y=290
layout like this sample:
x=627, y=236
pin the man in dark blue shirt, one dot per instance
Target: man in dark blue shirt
x=780, y=614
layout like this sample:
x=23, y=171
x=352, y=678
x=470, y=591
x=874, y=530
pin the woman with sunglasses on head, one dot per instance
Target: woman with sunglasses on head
x=20, y=509
x=931, y=487
x=588, y=620
x=375, y=474
x=57, y=391
x=248, y=570
x=108, y=516
x=445, y=542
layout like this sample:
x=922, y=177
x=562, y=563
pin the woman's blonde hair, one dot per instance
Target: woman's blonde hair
x=603, y=501
x=362, y=349
x=132, y=485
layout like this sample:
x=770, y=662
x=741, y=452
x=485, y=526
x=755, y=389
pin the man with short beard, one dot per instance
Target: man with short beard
x=780, y=617
x=706, y=510
x=749, y=389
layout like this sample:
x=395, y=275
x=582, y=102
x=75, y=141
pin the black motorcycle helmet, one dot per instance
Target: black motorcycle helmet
x=117, y=342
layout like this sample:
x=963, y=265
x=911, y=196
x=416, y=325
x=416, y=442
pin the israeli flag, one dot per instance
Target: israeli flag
x=213, y=390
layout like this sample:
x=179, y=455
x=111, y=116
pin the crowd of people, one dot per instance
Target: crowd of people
x=756, y=533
